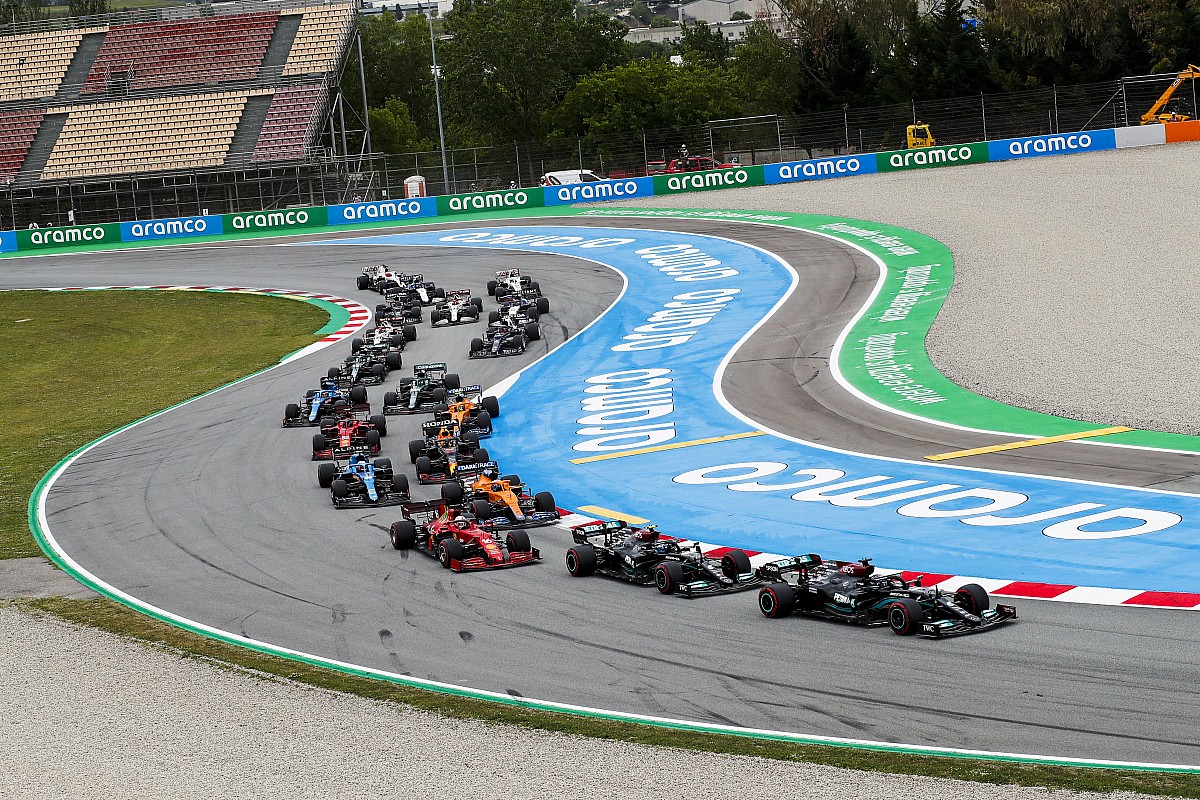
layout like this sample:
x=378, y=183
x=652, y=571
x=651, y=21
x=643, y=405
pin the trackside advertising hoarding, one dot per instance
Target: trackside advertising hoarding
x=176, y=228
x=709, y=179
x=275, y=220
x=1031, y=146
x=42, y=238
x=594, y=191
x=927, y=157
x=8, y=241
x=489, y=201
x=383, y=210
x=819, y=168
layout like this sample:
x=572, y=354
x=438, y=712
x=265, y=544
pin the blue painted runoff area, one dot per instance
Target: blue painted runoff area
x=646, y=375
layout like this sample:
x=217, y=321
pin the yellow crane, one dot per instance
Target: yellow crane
x=1153, y=116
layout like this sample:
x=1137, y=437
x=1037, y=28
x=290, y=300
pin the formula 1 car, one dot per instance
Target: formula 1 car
x=375, y=276
x=520, y=309
x=470, y=411
x=366, y=367
x=362, y=482
x=424, y=391
x=502, y=339
x=442, y=451
x=413, y=290
x=397, y=312
x=386, y=335
x=511, y=281
x=501, y=502
x=356, y=434
x=328, y=402
x=458, y=307
x=851, y=592
x=456, y=540
x=639, y=556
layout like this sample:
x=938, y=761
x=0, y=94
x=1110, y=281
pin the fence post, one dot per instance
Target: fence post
x=579, y=144
x=914, y=109
x=983, y=112
x=1057, y=127
x=1124, y=103
x=517, y=149
x=645, y=153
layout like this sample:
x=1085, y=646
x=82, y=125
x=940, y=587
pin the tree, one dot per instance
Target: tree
x=738, y=16
x=646, y=95
x=768, y=71
x=393, y=131
x=640, y=12
x=87, y=8
x=22, y=10
x=650, y=50
x=510, y=62
x=704, y=44
x=397, y=64
x=660, y=21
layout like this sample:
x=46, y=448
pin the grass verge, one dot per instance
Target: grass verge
x=87, y=363
x=116, y=618
x=81, y=364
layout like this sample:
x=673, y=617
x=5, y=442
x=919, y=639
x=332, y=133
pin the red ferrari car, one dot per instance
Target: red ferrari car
x=353, y=435
x=460, y=542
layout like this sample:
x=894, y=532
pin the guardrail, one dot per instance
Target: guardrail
x=360, y=214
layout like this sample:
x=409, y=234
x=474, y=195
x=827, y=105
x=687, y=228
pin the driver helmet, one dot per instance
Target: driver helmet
x=328, y=383
x=460, y=523
x=647, y=535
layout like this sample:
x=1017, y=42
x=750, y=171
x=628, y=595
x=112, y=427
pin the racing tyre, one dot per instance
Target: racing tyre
x=905, y=616
x=363, y=282
x=358, y=394
x=470, y=437
x=537, y=287
x=532, y=333
x=373, y=440
x=441, y=409
x=449, y=550
x=483, y=421
x=973, y=598
x=491, y=287
x=424, y=466
x=668, y=575
x=542, y=305
x=381, y=309
x=482, y=510
x=319, y=442
x=776, y=600
x=378, y=371
x=341, y=489
x=581, y=560
x=379, y=423
x=410, y=331
x=452, y=492
x=415, y=448
x=403, y=534
x=734, y=563
x=333, y=372
x=327, y=422
x=478, y=303
x=491, y=405
x=493, y=316
x=391, y=399
x=382, y=464
x=392, y=359
x=452, y=381
x=544, y=501
x=440, y=294
x=438, y=395
x=434, y=316
x=340, y=407
x=396, y=341
x=291, y=411
x=513, y=480
x=400, y=483
x=388, y=286
x=476, y=346
x=518, y=542
x=356, y=344
x=482, y=455
x=325, y=474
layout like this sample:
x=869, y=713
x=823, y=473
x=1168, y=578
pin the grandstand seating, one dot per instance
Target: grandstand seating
x=149, y=135
x=17, y=130
x=290, y=118
x=319, y=40
x=47, y=56
x=183, y=52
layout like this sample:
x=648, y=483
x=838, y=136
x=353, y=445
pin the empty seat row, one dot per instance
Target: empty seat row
x=32, y=65
x=319, y=40
x=19, y=130
x=287, y=128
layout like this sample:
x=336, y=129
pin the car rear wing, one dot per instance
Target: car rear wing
x=776, y=570
x=474, y=470
x=423, y=511
x=530, y=294
x=474, y=393
x=583, y=534
x=458, y=293
x=435, y=426
x=508, y=273
x=427, y=370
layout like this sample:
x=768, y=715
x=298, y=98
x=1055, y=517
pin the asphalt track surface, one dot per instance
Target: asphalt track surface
x=212, y=511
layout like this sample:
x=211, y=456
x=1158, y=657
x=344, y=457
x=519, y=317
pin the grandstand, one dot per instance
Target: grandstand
x=177, y=110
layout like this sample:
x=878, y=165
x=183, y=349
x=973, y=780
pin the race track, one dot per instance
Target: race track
x=212, y=512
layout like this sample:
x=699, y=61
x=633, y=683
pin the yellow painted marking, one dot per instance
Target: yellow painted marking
x=1066, y=437
x=673, y=446
x=608, y=512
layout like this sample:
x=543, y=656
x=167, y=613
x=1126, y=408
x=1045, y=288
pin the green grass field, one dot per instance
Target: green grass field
x=85, y=363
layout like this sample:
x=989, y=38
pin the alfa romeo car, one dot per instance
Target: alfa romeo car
x=458, y=308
